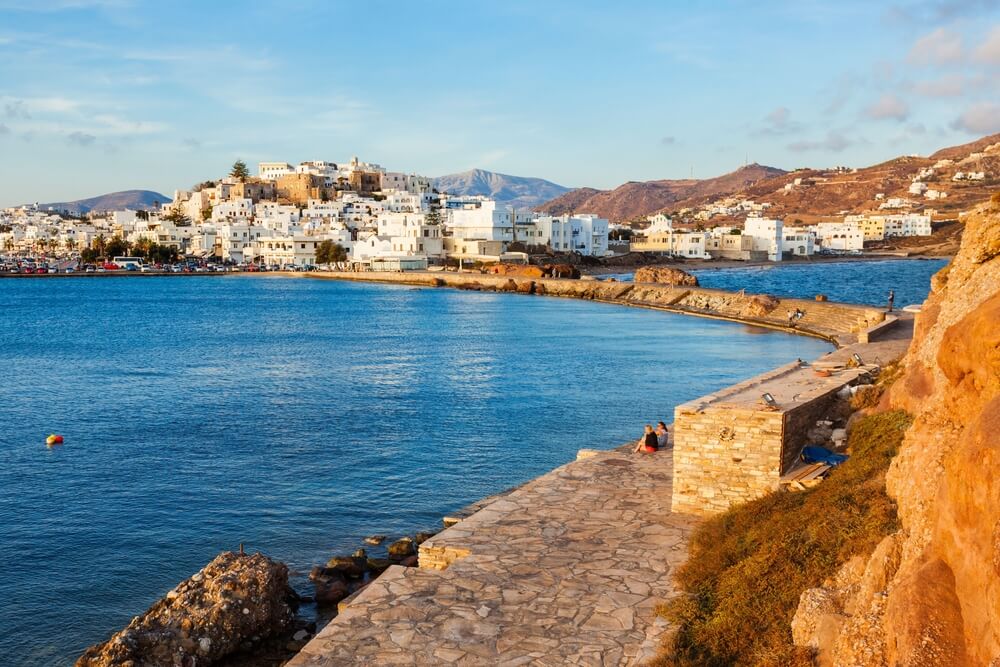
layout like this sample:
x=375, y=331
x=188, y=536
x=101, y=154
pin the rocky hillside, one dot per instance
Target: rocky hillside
x=519, y=191
x=113, y=201
x=930, y=593
x=639, y=199
x=819, y=192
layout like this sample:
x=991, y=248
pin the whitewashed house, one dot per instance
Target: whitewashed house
x=767, y=236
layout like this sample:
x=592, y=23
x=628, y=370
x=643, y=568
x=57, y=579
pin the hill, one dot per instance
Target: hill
x=638, y=199
x=519, y=191
x=818, y=192
x=113, y=201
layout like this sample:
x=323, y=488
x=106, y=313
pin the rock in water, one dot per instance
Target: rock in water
x=665, y=275
x=401, y=549
x=236, y=598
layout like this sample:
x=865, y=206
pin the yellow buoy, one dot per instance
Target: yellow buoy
x=54, y=439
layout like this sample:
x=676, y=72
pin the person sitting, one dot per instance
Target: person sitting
x=662, y=435
x=648, y=442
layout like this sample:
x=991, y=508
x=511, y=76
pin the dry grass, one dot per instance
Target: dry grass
x=748, y=566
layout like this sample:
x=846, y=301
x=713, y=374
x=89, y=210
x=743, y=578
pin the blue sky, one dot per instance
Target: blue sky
x=102, y=95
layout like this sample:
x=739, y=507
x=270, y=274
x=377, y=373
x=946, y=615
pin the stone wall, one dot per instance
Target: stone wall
x=837, y=322
x=729, y=450
x=723, y=457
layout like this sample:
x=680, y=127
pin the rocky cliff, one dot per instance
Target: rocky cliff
x=930, y=594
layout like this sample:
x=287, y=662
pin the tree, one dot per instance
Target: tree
x=116, y=247
x=99, y=244
x=177, y=217
x=328, y=252
x=433, y=217
x=141, y=247
x=240, y=170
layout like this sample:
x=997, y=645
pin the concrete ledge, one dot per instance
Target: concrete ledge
x=874, y=332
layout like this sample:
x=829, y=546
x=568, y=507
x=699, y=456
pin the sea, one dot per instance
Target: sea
x=297, y=416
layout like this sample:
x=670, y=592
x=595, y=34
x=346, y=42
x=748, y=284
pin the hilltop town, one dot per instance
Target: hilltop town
x=359, y=215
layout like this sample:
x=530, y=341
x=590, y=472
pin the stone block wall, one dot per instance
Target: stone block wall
x=724, y=456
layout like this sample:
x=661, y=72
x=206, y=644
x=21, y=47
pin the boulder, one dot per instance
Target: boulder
x=519, y=270
x=235, y=599
x=378, y=565
x=758, y=305
x=375, y=540
x=665, y=275
x=402, y=548
x=331, y=590
x=424, y=535
x=348, y=566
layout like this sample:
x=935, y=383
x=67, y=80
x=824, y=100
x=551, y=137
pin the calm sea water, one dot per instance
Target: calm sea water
x=851, y=282
x=865, y=282
x=296, y=416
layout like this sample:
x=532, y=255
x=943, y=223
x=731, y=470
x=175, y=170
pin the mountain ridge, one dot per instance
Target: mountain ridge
x=821, y=192
x=519, y=191
x=638, y=198
x=110, y=201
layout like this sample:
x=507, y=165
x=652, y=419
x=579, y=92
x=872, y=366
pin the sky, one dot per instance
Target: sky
x=105, y=95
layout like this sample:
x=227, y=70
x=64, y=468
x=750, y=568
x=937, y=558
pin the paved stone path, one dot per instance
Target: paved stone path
x=568, y=569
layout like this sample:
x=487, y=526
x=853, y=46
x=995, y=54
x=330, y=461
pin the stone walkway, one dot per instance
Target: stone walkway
x=568, y=569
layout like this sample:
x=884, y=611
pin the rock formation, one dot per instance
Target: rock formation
x=665, y=275
x=233, y=600
x=930, y=594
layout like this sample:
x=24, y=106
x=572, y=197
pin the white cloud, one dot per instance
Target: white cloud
x=980, y=118
x=888, y=106
x=834, y=142
x=779, y=121
x=938, y=47
x=949, y=85
x=989, y=51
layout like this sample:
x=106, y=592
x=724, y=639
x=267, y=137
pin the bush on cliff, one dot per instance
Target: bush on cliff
x=748, y=566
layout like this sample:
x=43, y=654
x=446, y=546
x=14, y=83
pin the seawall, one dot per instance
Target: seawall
x=839, y=323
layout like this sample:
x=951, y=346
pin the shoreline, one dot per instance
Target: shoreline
x=709, y=264
x=593, y=271
x=838, y=323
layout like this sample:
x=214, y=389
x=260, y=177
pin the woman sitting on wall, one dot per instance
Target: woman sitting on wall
x=648, y=442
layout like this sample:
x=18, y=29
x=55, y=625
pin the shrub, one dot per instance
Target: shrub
x=748, y=566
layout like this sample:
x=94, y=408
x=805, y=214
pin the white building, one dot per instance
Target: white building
x=839, y=236
x=798, y=241
x=767, y=236
x=395, y=180
x=581, y=233
x=272, y=171
x=283, y=250
x=410, y=235
x=237, y=210
x=483, y=220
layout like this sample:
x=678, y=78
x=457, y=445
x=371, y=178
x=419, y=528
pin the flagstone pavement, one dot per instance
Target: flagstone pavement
x=568, y=569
